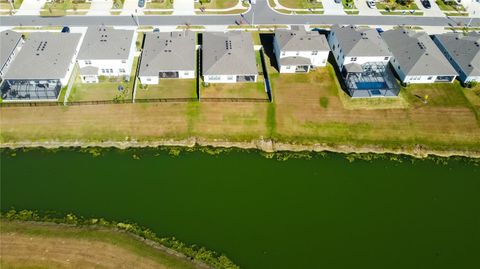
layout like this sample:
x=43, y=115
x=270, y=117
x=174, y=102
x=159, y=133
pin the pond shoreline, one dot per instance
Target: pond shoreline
x=268, y=146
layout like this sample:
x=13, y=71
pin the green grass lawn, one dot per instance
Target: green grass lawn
x=60, y=7
x=216, y=4
x=348, y=4
x=392, y=5
x=160, y=4
x=118, y=4
x=168, y=88
x=447, y=7
x=303, y=4
x=4, y=4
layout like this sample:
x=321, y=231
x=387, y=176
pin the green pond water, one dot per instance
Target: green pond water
x=323, y=212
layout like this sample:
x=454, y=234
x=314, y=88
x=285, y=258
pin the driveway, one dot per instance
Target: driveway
x=363, y=8
x=332, y=8
x=131, y=7
x=434, y=11
x=31, y=7
x=100, y=7
x=183, y=7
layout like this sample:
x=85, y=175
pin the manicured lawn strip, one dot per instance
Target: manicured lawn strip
x=449, y=7
x=348, y=4
x=167, y=88
x=460, y=14
x=392, y=5
x=156, y=13
x=233, y=11
x=301, y=4
x=118, y=4
x=160, y=4
x=4, y=4
x=216, y=4
x=416, y=13
x=74, y=237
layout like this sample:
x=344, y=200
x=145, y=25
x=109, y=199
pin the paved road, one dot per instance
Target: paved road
x=263, y=15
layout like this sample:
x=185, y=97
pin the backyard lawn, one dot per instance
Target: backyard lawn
x=301, y=4
x=106, y=90
x=167, y=88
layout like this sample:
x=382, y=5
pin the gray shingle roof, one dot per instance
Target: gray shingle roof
x=229, y=53
x=167, y=52
x=464, y=49
x=8, y=42
x=44, y=56
x=416, y=53
x=298, y=39
x=358, y=42
x=106, y=43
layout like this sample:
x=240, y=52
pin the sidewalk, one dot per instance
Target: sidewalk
x=31, y=7
x=183, y=7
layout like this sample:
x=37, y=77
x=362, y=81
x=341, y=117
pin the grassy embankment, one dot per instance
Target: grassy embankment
x=308, y=109
x=40, y=245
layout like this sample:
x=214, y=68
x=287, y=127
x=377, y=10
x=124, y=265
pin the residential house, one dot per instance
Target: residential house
x=228, y=57
x=416, y=57
x=463, y=53
x=363, y=59
x=106, y=51
x=10, y=44
x=297, y=51
x=42, y=67
x=167, y=55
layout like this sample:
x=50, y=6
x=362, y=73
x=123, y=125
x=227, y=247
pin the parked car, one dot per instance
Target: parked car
x=338, y=1
x=426, y=4
x=371, y=4
x=156, y=30
x=66, y=29
x=141, y=3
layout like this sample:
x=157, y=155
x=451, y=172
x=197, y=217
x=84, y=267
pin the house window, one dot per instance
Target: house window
x=283, y=53
x=288, y=67
x=111, y=70
x=214, y=77
x=103, y=71
x=121, y=70
x=149, y=79
x=298, y=53
x=314, y=52
x=429, y=78
x=124, y=61
x=333, y=48
x=186, y=73
x=386, y=58
x=87, y=62
x=230, y=78
x=353, y=59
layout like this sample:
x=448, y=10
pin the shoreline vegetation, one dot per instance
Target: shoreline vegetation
x=136, y=239
x=266, y=146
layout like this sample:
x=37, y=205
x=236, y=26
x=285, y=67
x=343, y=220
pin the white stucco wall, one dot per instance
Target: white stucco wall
x=222, y=79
